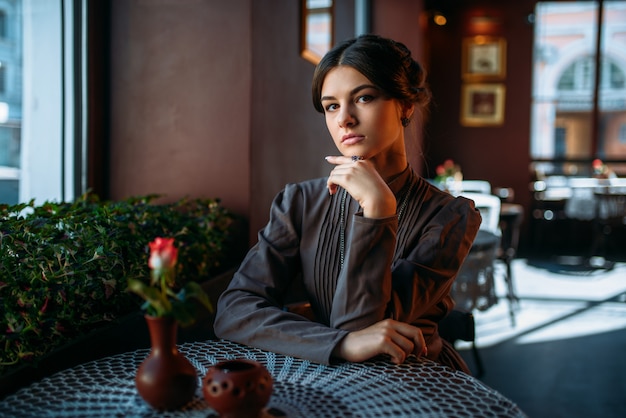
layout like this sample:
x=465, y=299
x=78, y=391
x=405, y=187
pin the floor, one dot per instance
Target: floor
x=566, y=354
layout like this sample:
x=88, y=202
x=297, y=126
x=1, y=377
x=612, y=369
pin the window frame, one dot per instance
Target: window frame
x=308, y=51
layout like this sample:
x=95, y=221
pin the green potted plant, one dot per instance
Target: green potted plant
x=64, y=271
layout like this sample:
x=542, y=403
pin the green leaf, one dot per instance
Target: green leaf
x=153, y=296
x=193, y=290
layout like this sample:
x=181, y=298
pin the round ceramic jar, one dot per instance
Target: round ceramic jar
x=237, y=388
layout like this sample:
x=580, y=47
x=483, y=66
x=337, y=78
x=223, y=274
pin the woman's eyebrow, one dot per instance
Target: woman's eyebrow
x=352, y=92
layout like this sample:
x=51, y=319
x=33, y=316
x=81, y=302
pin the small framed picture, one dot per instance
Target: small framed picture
x=482, y=104
x=484, y=58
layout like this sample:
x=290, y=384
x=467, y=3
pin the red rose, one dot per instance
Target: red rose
x=163, y=254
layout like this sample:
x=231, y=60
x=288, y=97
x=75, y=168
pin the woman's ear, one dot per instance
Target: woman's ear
x=407, y=111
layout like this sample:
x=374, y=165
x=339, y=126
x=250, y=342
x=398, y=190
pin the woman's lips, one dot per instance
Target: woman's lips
x=351, y=139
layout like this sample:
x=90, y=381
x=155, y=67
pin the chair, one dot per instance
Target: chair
x=489, y=207
x=460, y=187
x=610, y=214
x=511, y=217
x=460, y=325
x=476, y=186
x=474, y=286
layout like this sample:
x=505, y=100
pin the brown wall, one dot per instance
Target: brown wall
x=180, y=100
x=400, y=20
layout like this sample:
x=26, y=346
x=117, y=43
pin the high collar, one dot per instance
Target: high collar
x=398, y=183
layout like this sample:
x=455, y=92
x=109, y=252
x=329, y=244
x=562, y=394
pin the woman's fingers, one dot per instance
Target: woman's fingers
x=394, y=338
x=341, y=159
x=421, y=349
x=362, y=181
x=396, y=355
x=405, y=343
x=340, y=175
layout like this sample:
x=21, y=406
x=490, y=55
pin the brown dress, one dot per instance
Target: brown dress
x=354, y=270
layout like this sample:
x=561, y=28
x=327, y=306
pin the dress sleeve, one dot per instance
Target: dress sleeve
x=250, y=309
x=422, y=279
x=417, y=284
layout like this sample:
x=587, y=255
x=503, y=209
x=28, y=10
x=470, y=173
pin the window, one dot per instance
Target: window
x=579, y=87
x=317, y=29
x=10, y=100
x=41, y=79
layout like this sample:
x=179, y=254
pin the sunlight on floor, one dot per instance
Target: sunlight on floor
x=554, y=306
x=605, y=318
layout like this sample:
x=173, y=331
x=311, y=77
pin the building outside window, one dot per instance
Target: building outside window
x=38, y=104
x=571, y=125
x=10, y=98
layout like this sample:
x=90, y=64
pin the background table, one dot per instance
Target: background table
x=378, y=388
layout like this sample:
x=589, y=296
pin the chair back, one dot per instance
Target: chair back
x=611, y=207
x=475, y=186
x=489, y=207
x=458, y=325
x=458, y=187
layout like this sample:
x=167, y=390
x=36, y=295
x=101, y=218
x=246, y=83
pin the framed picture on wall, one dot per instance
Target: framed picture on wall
x=482, y=104
x=484, y=58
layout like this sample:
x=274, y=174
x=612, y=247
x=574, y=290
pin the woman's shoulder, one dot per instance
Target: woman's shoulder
x=442, y=199
x=440, y=210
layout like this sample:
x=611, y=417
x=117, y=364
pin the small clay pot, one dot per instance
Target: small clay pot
x=237, y=388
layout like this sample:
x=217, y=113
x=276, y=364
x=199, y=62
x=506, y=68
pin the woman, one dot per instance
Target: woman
x=374, y=246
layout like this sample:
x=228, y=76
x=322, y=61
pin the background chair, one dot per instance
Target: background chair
x=489, y=207
x=511, y=216
x=459, y=187
x=476, y=186
x=610, y=215
x=475, y=287
x=460, y=325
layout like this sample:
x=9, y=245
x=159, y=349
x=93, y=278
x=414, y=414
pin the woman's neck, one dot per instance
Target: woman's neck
x=391, y=168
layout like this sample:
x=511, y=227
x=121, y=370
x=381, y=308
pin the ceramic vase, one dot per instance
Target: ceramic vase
x=237, y=388
x=166, y=380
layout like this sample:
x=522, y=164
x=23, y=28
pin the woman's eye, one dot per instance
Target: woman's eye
x=364, y=99
x=331, y=107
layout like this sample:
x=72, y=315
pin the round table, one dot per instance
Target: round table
x=375, y=388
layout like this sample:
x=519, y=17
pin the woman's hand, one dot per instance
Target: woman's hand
x=364, y=184
x=397, y=339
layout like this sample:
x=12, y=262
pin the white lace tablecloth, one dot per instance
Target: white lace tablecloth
x=417, y=388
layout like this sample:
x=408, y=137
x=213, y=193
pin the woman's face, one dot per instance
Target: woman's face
x=360, y=118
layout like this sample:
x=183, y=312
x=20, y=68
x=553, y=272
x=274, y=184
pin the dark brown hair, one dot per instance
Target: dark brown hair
x=386, y=63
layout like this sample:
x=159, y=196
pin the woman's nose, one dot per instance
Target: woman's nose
x=346, y=118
